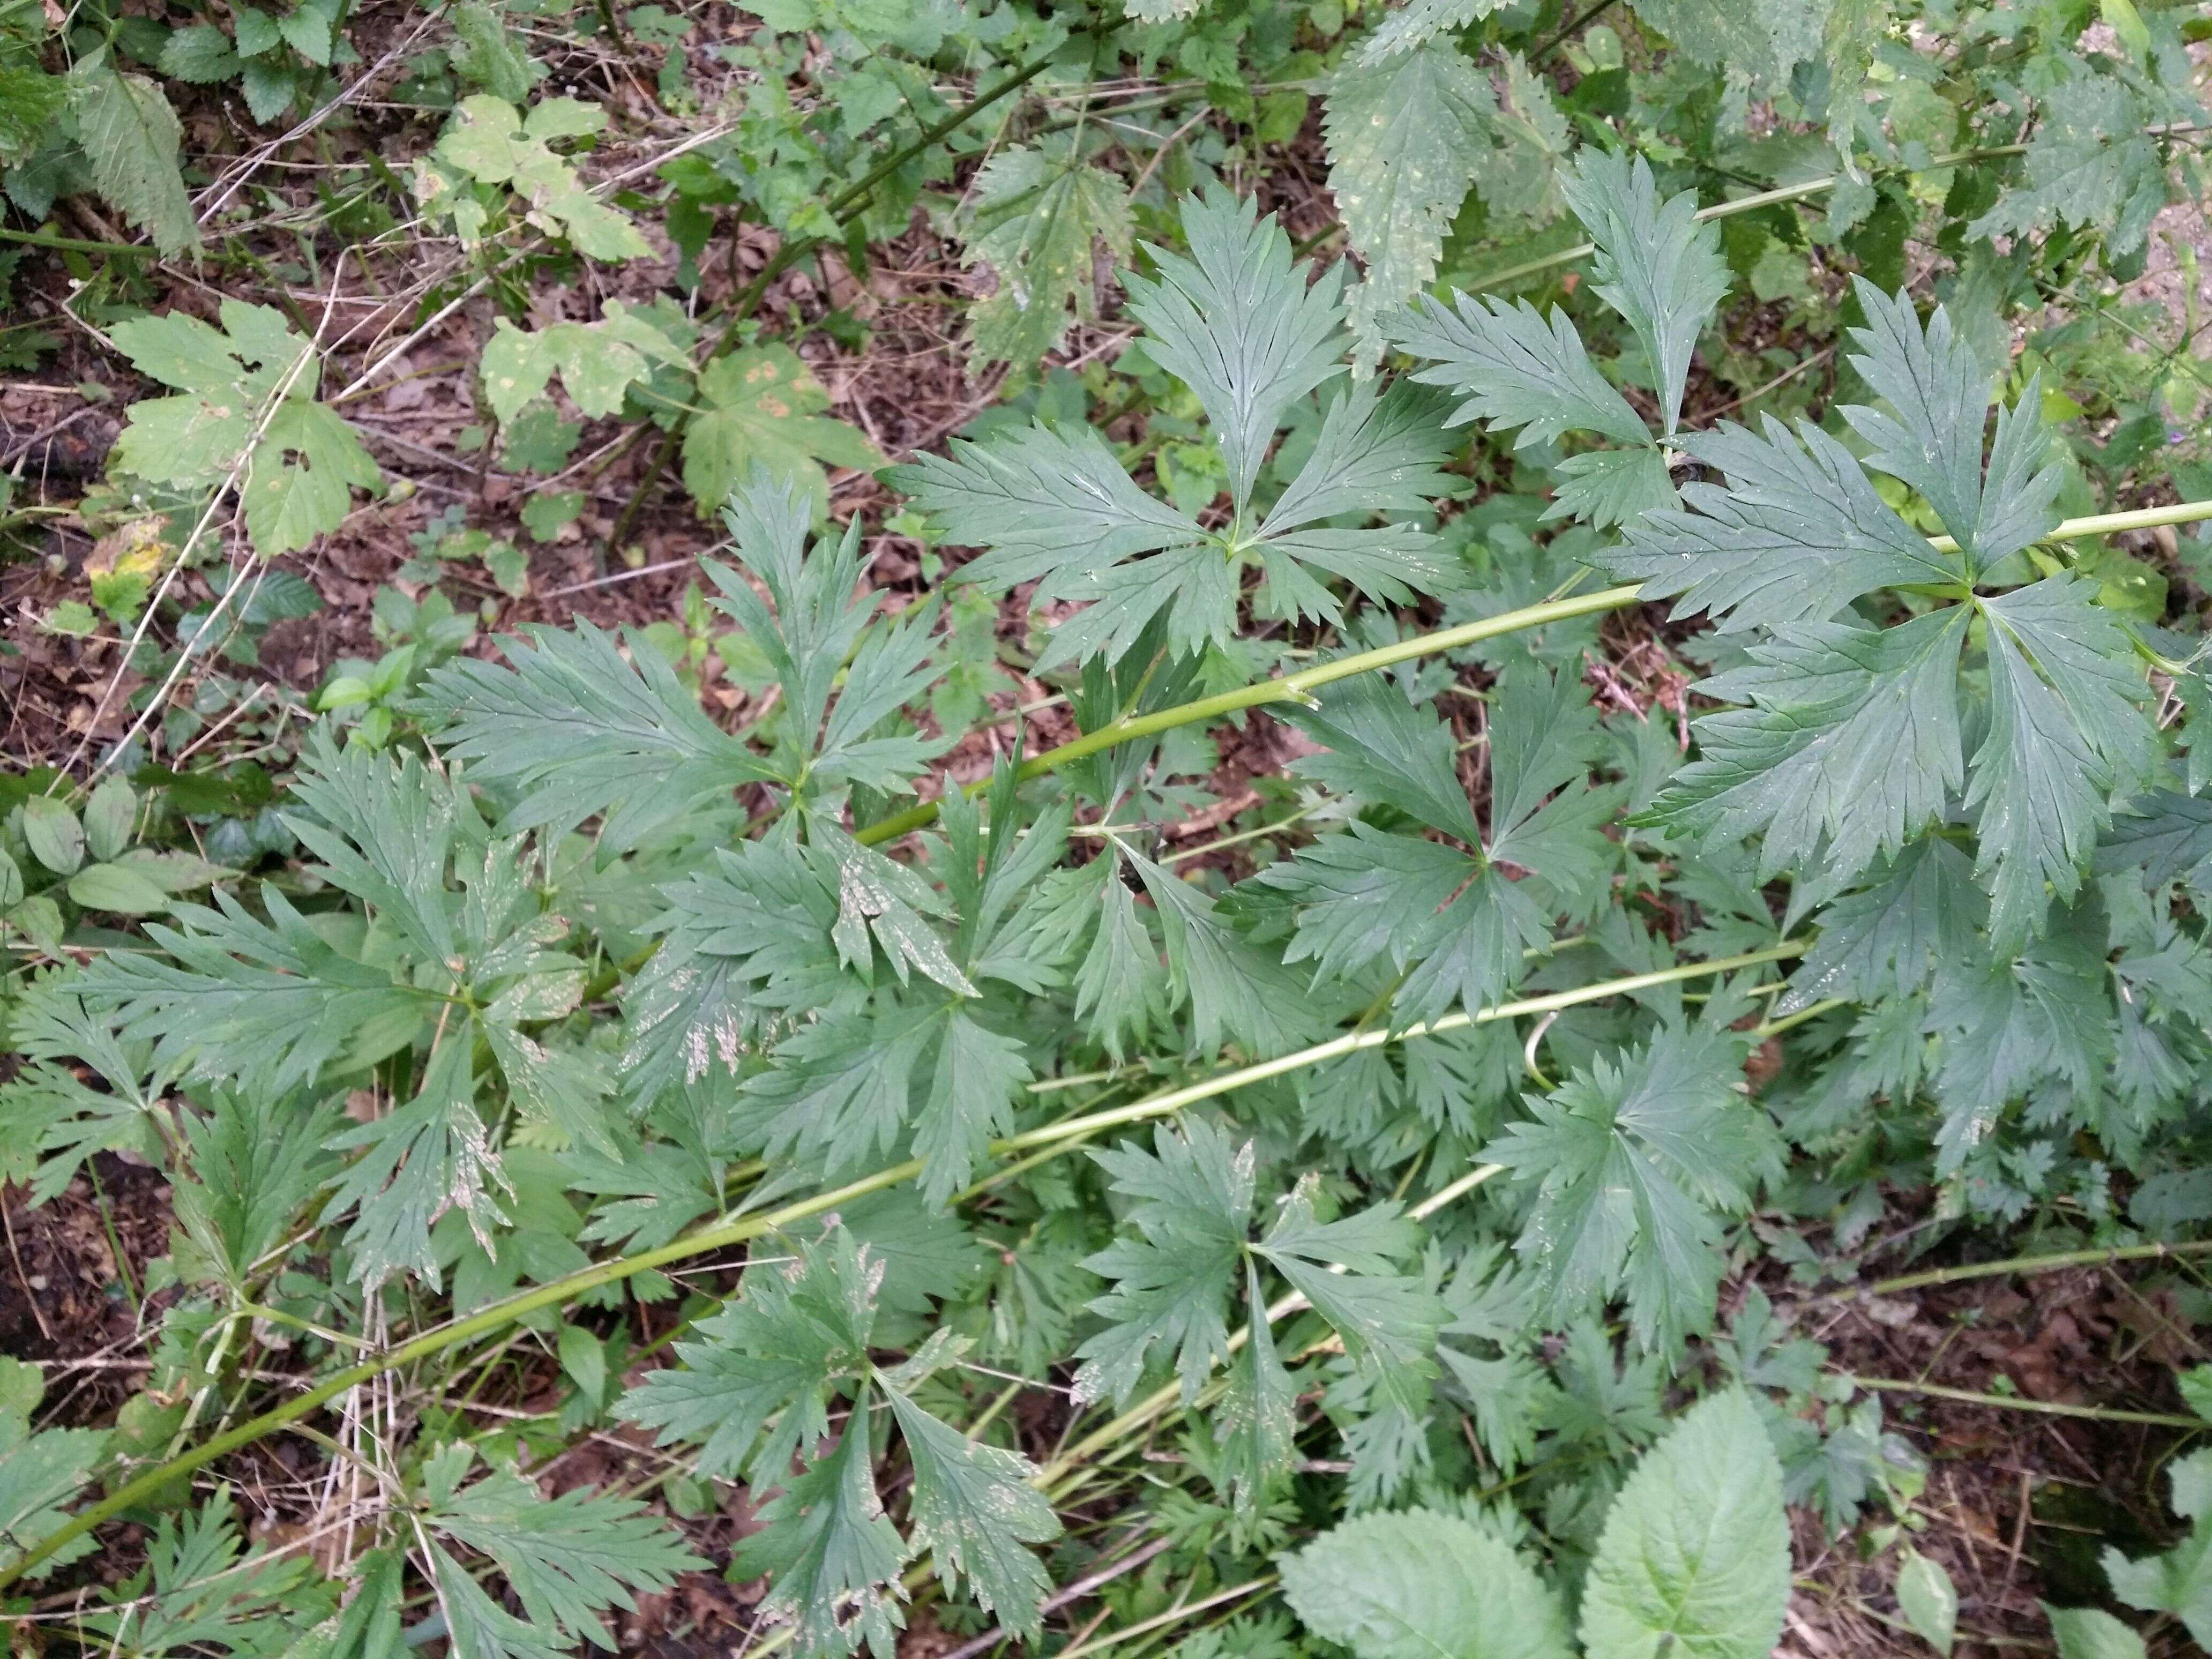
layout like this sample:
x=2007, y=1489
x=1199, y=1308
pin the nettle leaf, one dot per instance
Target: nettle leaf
x=1406, y=134
x=39, y=1473
x=1627, y=1162
x=130, y=137
x=1418, y=1584
x=248, y=407
x=1695, y=1554
x=1037, y=211
x=2180, y=1581
x=1655, y=264
x=1418, y=21
x=1757, y=39
x=763, y=409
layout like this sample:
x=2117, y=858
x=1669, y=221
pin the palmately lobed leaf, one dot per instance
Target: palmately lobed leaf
x=1628, y=1162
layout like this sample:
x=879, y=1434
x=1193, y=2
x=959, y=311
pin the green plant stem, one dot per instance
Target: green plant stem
x=1298, y=687
x=75, y=244
x=2028, y=1264
x=2013, y=1402
x=726, y=1233
x=1288, y=688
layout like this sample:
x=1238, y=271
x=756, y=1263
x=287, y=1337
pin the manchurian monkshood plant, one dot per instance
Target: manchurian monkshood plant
x=1441, y=1128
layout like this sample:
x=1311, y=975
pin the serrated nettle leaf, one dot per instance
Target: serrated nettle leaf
x=38, y=1474
x=1406, y=134
x=2092, y=1633
x=1419, y=20
x=1418, y=1584
x=129, y=136
x=1695, y=1554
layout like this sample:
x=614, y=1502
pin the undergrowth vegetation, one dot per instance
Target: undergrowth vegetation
x=1237, y=1061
